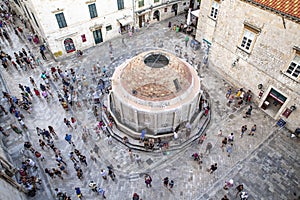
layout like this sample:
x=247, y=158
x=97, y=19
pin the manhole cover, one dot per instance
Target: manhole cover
x=149, y=161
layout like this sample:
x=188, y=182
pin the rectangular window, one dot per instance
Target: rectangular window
x=141, y=3
x=93, y=11
x=108, y=28
x=120, y=4
x=184, y=4
x=156, y=1
x=166, y=9
x=61, y=20
x=247, y=40
x=294, y=67
x=214, y=9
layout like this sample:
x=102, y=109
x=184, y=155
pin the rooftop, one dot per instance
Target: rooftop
x=288, y=8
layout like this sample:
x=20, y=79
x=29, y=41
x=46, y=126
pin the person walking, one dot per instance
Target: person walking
x=171, y=184
x=148, y=180
x=208, y=147
x=130, y=155
x=166, y=182
x=253, y=129
x=43, y=54
x=101, y=192
x=62, y=168
x=72, y=157
x=239, y=189
x=68, y=138
x=248, y=113
x=186, y=40
x=103, y=174
x=243, y=130
x=135, y=196
x=224, y=143
x=231, y=137
x=68, y=123
x=111, y=174
x=78, y=192
x=51, y=130
x=229, y=149
x=93, y=186
x=82, y=159
x=59, y=159
x=228, y=184
x=213, y=168
x=58, y=173
x=202, y=139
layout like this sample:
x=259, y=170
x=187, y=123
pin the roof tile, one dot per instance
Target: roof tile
x=290, y=7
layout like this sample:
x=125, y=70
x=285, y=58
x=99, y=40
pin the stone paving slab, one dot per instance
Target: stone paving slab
x=267, y=163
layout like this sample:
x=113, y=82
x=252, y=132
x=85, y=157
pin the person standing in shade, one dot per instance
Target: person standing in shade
x=186, y=40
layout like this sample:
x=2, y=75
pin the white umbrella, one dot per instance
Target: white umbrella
x=188, y=20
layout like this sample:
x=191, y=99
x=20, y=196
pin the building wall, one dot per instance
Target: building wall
x=265, y=64
x=79, y=23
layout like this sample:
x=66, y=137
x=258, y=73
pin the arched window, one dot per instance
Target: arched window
x=69, y=45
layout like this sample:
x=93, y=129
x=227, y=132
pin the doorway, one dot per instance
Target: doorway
x=175, y=8
x=156, y=15
x=69, y=45
x=97, y=36
x=272, y=104
x=141, y=21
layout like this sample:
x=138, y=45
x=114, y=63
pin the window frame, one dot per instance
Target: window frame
x=156, y=1
x=108, y=28
x=93, y=10
x=214, y=10
x=296, y=61
x=248, y=28
x=141, y=3
x=61, y=20
x=120, y=4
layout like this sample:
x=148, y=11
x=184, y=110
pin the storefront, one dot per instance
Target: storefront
x=125, y=24
x=273, y=102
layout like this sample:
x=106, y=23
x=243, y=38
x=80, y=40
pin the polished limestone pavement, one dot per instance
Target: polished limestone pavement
x=266, y=164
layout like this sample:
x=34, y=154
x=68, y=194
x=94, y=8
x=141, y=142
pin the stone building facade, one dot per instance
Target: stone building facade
x=255, y=45
x=70, y=25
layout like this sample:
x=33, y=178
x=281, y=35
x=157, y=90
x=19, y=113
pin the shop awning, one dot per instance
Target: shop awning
x=142, y=12
x=196, y=12
x=277, y=96
x=125, y=20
